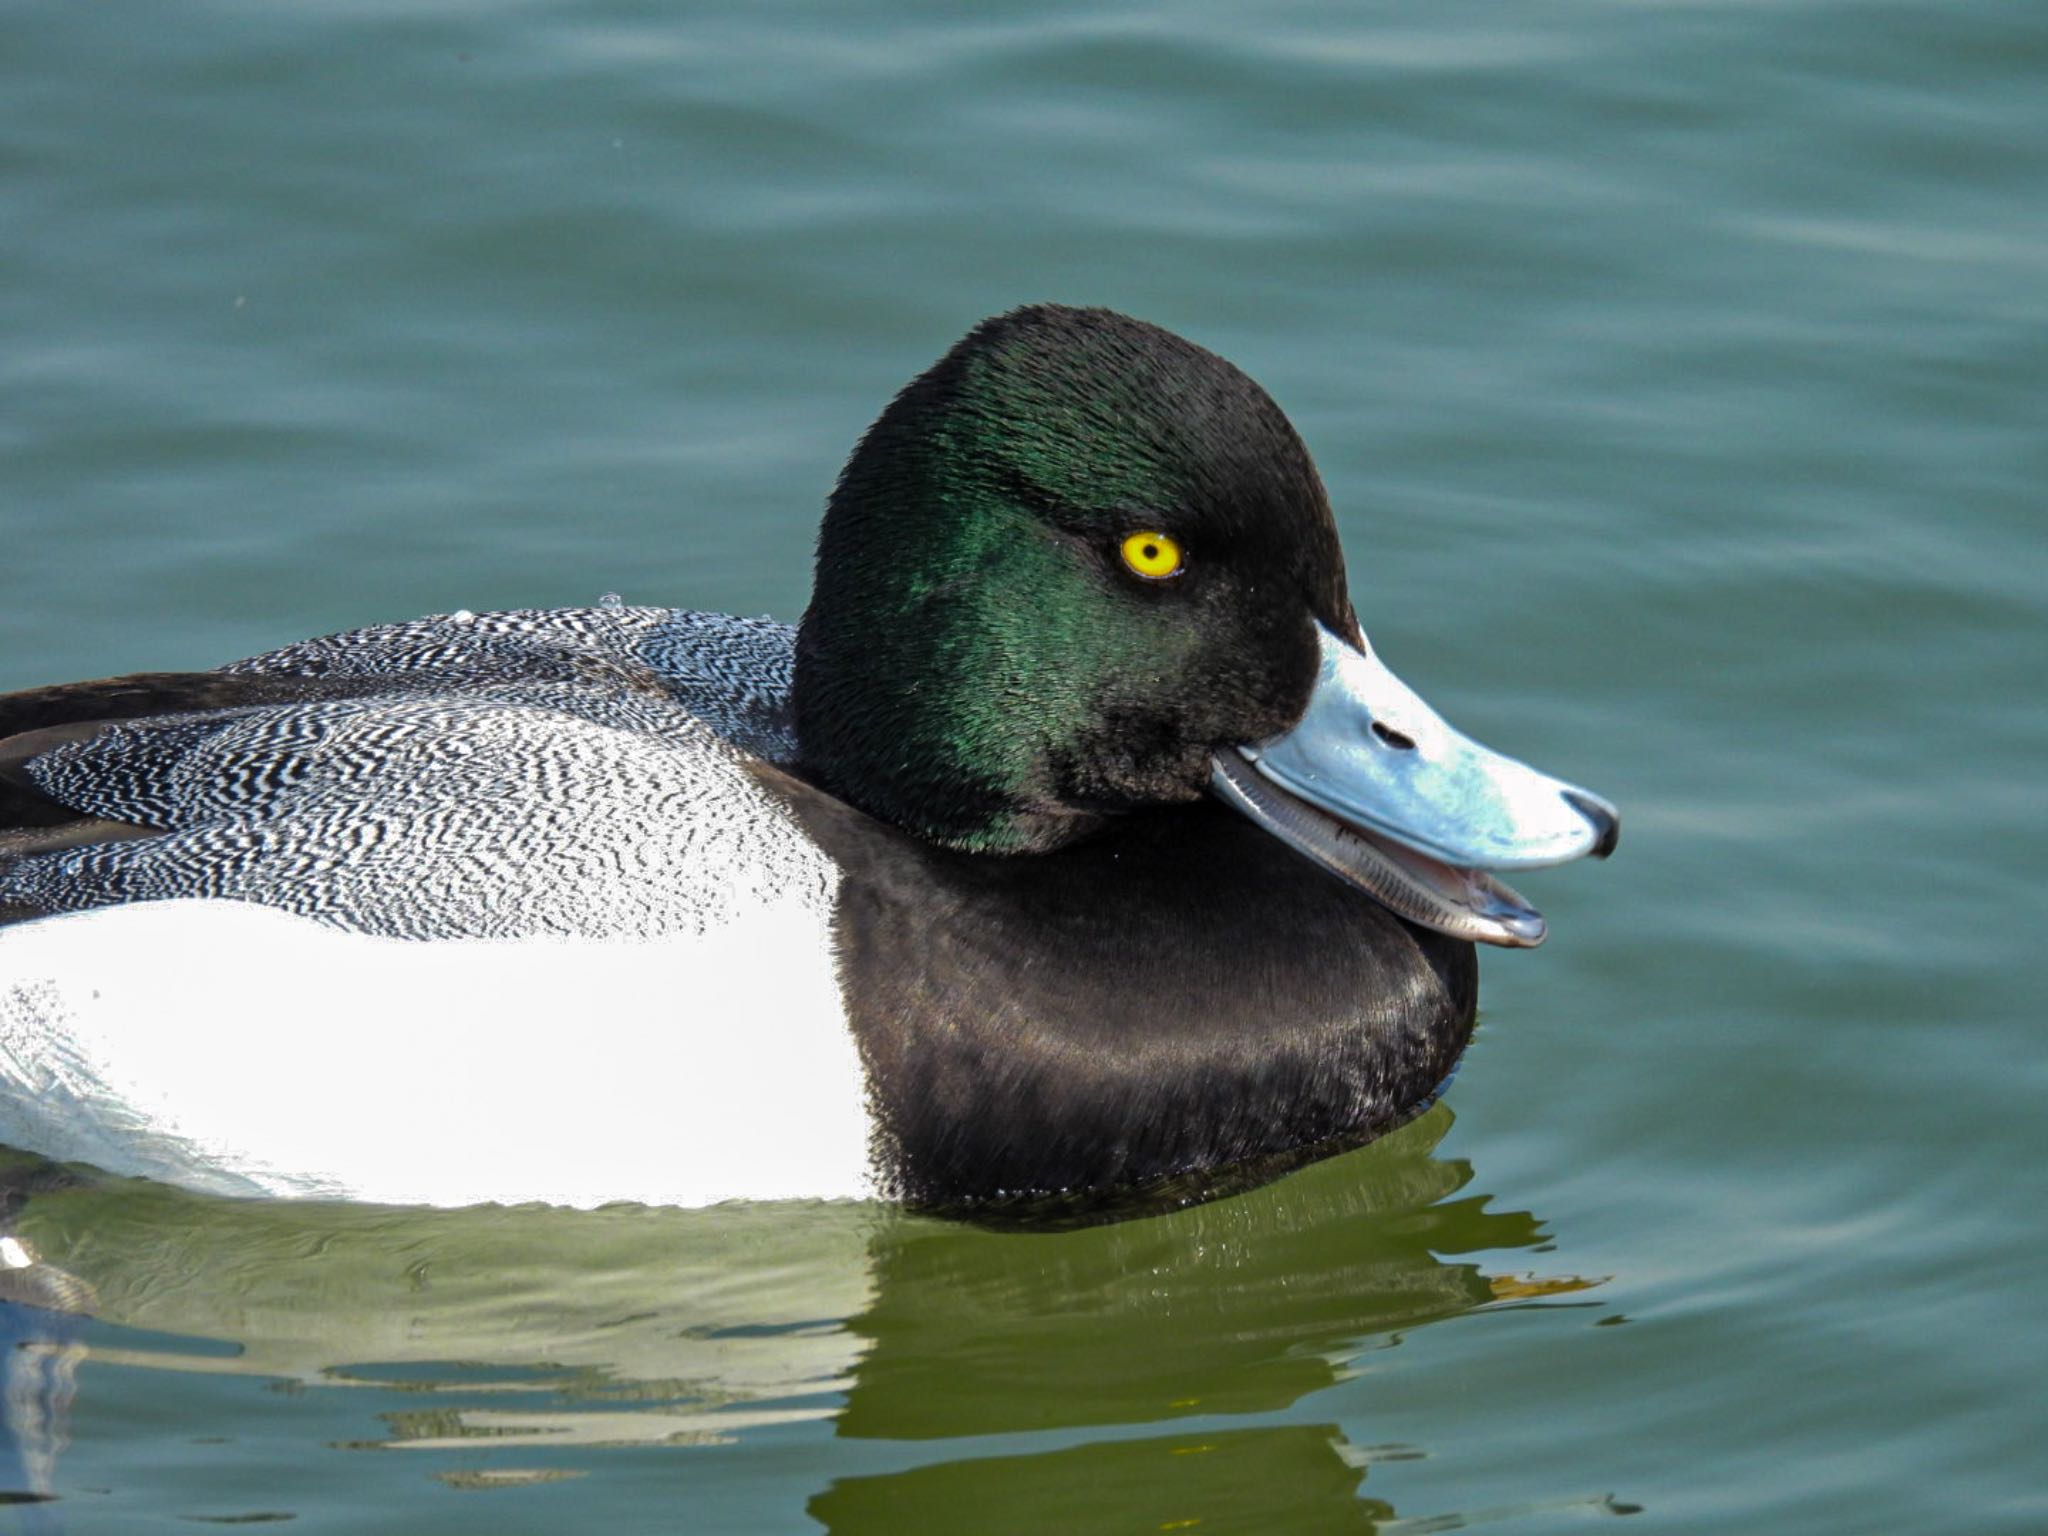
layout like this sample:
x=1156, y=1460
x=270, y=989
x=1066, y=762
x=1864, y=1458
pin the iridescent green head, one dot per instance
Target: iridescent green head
x=1069, y=563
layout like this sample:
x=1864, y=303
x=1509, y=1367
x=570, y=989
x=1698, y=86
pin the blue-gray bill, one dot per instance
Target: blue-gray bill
x=1374, y=785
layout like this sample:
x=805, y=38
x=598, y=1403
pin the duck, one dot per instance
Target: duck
x=1074, y=844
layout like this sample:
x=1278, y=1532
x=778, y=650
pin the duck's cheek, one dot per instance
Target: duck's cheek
x=1131, y=760
x=1257, y=677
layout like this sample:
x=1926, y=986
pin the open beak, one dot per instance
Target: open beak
x=1373, y=785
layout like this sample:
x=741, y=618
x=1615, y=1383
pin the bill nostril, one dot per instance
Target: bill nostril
x=1392, y=737
x=1606, y=821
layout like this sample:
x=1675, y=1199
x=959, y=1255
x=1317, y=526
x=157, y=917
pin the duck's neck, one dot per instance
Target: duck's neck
x=921, y=737
x=1180, y=995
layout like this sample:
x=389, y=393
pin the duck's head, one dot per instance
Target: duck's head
x=1081, y=568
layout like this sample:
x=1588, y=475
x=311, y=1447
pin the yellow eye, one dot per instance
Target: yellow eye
x=1153, y=555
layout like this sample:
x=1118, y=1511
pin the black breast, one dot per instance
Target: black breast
x=1181, y=996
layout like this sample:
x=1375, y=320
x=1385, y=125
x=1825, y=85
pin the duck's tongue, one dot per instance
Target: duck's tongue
x=1373, y=785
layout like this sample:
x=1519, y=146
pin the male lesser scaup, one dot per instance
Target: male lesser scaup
x=1074, y=841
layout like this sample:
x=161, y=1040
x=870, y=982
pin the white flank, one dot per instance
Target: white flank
x=239, y=1049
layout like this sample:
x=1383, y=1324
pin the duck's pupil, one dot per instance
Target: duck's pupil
x=1151, y=551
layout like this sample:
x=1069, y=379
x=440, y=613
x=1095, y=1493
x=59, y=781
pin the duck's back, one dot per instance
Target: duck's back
x=580, y=772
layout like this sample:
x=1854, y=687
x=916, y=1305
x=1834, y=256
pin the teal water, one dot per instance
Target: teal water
x=1678, y=373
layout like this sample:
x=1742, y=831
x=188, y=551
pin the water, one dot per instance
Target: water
x=1678, y=373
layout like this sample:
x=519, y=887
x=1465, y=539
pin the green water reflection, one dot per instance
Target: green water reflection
x=529, y=1346
x=1289, y=1478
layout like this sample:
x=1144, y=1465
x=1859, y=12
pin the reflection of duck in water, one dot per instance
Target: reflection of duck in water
x=503, y=1343
x=1173, y=1333
x=1010, y=869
